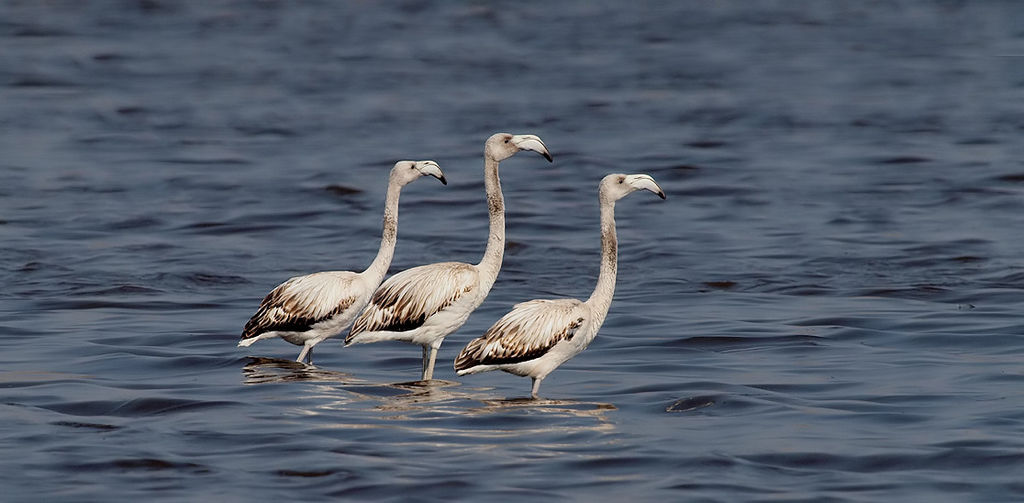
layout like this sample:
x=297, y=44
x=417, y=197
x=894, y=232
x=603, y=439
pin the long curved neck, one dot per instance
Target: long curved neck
x=379, y=267
x=491, y=261
x=601, y=299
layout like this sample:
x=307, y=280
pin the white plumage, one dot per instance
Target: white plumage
x=424, y=304
x=532, y=328
x=408, y=299
x=539, y=335
x=305, y=310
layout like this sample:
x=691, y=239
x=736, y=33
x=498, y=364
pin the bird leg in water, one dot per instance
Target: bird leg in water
x=307, y=352
x=429, y=356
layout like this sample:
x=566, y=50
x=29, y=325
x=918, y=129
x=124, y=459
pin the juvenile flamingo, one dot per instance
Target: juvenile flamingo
x=424, y=304
x=305, y=310
x=539, y=335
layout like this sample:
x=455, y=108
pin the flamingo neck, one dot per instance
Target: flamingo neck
x=601, y=299
x=379, y=267
x=491, y=261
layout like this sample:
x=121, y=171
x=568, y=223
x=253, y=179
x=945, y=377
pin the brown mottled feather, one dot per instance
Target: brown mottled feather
x=407, y=299
x=301, y=302
x=529, y=331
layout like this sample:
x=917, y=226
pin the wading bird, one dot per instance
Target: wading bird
x=308, y=309
x=539, y=335
x=424, y=304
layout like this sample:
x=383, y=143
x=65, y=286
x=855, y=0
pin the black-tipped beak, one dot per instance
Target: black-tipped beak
x=531, y=142
x=661, y=194
x=445, y=182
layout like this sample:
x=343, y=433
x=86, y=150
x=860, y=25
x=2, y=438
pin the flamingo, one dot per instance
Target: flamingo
x=305, y=310
x=424, y=304
x=537, y=336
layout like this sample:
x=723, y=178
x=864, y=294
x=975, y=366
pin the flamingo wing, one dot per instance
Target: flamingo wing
x=406, y=300
x=303, y=301
x=529, y=331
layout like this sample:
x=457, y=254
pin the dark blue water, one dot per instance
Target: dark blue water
x=826, y=308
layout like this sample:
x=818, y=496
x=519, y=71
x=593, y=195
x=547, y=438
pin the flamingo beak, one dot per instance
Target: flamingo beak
x=531, y=142
x=431, y=168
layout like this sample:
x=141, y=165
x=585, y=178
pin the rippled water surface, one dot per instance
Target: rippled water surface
x=827, y=307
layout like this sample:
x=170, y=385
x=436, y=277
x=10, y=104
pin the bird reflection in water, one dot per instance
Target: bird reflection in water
x=427, y=401
x=426, y=406
x=261, y=370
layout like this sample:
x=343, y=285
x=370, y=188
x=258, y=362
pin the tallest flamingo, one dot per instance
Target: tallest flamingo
x=424, y=304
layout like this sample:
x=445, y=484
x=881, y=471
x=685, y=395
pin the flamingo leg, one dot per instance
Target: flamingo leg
x=428, y=362
x=536, y=387
x=306, y=354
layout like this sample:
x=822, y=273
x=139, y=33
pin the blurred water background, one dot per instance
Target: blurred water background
x=826, y=308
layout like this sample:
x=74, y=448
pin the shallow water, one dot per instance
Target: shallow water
x=825, y=308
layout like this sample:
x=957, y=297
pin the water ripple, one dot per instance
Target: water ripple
x=825, y=308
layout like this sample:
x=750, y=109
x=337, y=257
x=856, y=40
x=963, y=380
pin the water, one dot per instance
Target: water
x=826, y=308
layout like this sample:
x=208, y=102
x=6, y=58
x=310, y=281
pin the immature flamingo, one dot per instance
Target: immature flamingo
x=308, y=309
x=424, y=304
x=539, y=335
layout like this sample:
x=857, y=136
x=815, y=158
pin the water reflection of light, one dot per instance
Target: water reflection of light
x=262, y=370
x=441, y=410
x=420, y=406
